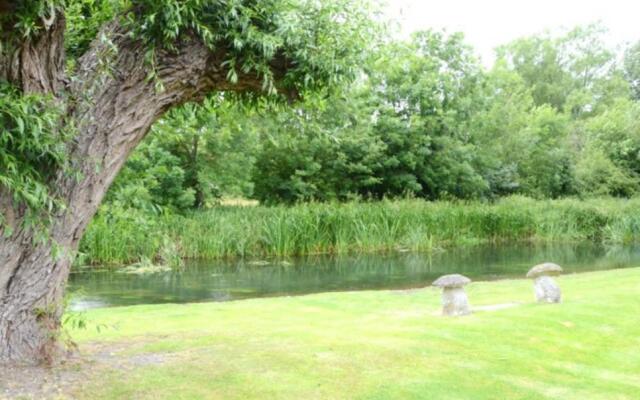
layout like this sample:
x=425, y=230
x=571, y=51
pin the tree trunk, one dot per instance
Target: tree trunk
x=112, y=104
x=192, y=167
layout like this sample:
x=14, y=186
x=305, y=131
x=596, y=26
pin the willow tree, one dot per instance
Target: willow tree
x=82, y=81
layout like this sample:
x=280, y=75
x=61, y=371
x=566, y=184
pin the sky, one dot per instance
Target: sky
x=489, y=23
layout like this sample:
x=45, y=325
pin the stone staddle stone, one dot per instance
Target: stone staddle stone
x=454, y=299
x=545, y=287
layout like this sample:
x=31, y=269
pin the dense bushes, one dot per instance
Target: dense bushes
x=555, y=116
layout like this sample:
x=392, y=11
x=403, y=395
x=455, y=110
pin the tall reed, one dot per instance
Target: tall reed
x=117, y=236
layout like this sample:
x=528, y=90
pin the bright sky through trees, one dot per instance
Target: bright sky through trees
x=489, y=23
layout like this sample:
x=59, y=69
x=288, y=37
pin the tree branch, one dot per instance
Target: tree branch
x=114, y=104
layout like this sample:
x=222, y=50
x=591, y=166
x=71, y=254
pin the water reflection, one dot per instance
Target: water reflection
x=224, y=281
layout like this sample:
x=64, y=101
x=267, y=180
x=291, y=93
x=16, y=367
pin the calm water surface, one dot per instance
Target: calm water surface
x=224, y=281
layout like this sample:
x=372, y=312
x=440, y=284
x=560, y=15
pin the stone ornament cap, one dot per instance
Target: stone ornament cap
x=545, y=269
x=451, y=281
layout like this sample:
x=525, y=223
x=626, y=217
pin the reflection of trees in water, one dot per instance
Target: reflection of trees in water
x=221, y=281
x=122, y=289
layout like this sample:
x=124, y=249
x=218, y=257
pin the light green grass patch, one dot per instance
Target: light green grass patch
x=382, y=345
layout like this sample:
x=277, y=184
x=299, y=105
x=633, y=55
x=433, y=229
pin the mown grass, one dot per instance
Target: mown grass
x=376, y=345
x=230, y=231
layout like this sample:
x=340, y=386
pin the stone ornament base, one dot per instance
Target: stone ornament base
x=547, y=290
x=455, y=302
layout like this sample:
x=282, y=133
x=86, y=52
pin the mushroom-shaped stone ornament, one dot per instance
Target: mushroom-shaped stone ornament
x=547, y=290
x=454, y=299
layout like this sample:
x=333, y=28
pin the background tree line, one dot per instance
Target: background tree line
x=556, y=115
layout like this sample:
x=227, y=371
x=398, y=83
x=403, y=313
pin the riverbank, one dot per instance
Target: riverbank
x=121, y=237
x=201, y=281
x=372, y=345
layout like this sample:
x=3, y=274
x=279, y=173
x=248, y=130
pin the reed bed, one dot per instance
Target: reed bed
x=119, y=237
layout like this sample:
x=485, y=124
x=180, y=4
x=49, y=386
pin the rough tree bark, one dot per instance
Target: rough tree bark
x=113, y=108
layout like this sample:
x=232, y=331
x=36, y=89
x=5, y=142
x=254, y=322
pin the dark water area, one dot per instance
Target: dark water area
x=225, y=281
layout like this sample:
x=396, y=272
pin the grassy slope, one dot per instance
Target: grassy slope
x=383, y=345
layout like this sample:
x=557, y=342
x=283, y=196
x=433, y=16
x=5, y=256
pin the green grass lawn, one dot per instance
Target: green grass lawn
x=378, y=345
